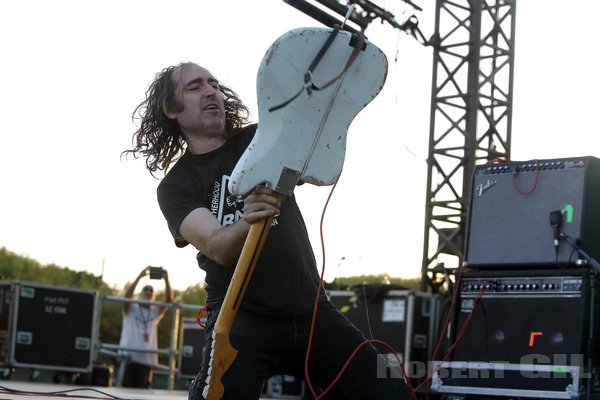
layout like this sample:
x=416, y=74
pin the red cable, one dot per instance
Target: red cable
x=535, y=183
x=316, y=305
x=199, y=315
x=446, y=322
x=463, y=330
x=460, y=335
x=314, y=317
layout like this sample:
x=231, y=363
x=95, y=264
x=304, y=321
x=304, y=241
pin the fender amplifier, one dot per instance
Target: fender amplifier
x=510, y=207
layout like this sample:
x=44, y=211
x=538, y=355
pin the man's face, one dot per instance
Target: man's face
x=147, y=293
x=203, y=104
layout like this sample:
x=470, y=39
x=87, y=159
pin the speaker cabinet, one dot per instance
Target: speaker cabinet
x=510, y=206
x=46, y=327
x=519, y=333
x=191, y=343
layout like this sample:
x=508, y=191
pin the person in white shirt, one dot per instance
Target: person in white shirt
x=139, y=330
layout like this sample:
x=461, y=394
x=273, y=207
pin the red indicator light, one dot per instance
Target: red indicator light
x=532, y=336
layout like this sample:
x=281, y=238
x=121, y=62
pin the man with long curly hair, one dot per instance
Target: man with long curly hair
x=196, y=128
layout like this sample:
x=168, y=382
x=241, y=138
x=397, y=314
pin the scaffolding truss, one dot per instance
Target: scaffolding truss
x=470, y=120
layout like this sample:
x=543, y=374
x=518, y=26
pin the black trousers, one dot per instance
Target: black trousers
x=137, y=376
x=268, y=346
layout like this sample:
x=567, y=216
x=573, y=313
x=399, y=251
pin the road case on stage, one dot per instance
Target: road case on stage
x=404, y=319
x=538, y=381
x=191, y=343
x=284, y=387
x=47, y=327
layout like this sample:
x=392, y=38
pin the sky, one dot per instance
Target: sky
x=73, y=72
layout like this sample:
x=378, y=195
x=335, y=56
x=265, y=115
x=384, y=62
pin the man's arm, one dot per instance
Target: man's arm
x=223, y=244
x=131, y=289
x=168, y=292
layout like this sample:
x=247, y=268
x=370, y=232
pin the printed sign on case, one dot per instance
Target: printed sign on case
x=393, y=310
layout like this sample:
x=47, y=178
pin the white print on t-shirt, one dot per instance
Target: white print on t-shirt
x=225, y=207
x=222, y=206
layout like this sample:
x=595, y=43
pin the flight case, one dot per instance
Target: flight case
x=47, y=327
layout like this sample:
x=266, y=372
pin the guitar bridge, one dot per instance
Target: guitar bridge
x=287, y=181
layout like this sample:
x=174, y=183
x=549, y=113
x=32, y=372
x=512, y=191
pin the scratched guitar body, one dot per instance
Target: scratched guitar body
x=301, y=135
x=306, y=139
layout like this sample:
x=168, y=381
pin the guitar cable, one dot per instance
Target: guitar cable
x=312, y=326
x=445, y=325
x=461, y=333
x=367, y=311
x=535, y=182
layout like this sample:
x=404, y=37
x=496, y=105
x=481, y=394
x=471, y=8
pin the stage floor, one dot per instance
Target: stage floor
x=10, y=390
x=15, y=390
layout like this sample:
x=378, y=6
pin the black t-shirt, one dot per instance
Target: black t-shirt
x=285, y=278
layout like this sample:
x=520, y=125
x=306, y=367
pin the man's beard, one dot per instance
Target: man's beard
x=213, y=126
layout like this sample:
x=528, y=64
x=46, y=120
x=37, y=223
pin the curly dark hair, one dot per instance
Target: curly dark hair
x=159, y=138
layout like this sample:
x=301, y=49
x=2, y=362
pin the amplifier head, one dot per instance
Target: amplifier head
x=510, y=208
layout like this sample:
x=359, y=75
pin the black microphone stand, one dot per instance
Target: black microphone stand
x=591, y=345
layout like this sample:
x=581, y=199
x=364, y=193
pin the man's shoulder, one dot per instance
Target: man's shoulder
x=179, y=165
x=245, y=133
x=176, y=173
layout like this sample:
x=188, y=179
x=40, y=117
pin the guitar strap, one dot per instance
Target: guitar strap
x=309, y=85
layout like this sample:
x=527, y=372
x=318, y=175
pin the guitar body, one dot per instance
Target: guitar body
x=306, y=139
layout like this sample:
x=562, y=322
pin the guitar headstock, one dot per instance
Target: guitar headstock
x=222, y=355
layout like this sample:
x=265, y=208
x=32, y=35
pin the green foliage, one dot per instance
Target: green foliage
x=194, y=295
x=110, y=325
x=21, y=268
x=341, y=283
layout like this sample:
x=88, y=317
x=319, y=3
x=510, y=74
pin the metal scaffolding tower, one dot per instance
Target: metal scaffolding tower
x=470, y=121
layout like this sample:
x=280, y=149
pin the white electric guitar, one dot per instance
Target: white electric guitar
x=311, y=84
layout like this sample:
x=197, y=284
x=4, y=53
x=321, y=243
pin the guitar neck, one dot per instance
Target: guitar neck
x=223, y=354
